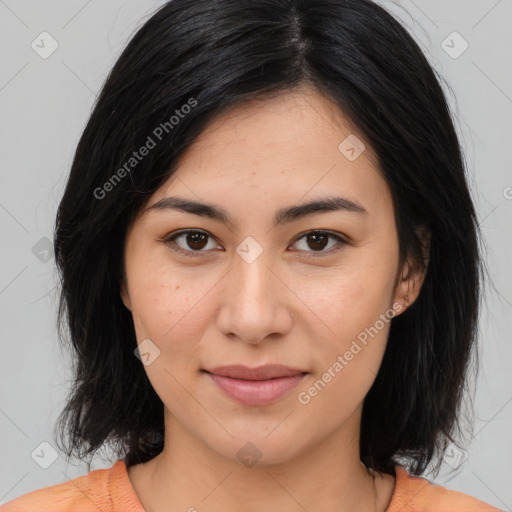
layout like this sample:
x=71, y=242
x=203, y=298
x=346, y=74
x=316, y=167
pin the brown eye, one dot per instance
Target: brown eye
x=196, y=240
x=317, y=241
x=190, y=241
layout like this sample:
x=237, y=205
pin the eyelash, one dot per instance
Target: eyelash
x=194, y=254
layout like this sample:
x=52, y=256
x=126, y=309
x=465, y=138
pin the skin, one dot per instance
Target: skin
x=217, y=309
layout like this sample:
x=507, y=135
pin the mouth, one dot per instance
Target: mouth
x=255, y=386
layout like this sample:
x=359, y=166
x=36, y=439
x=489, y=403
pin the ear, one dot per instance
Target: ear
x=412, y=276
x=125, y=296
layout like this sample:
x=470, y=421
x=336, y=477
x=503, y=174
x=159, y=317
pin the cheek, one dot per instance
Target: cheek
x=353, y=297
x=353, y=315
x=169, y=305
x=355, y=321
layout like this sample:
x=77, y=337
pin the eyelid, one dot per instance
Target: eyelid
x=341, y=240
x=175, y=234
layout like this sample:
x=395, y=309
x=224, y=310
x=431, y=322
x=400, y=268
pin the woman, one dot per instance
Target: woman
x=270, y=267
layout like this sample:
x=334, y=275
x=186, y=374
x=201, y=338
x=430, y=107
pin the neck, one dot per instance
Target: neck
x=188, y=475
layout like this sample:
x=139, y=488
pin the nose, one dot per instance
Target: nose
x=255, y=301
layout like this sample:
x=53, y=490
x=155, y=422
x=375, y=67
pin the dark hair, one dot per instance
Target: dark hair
x=211, y=55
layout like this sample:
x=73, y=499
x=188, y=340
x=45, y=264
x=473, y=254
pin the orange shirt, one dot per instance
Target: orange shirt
x=110, y=490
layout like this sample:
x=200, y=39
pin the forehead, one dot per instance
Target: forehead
x=301, y=122
x=283, y=150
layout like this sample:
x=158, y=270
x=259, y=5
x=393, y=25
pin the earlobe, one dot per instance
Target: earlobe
x=400, y=305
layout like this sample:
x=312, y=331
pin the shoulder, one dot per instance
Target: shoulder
x=417, y=494
x=85, y=493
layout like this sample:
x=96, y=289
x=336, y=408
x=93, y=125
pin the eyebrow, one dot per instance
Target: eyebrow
x=282, y=216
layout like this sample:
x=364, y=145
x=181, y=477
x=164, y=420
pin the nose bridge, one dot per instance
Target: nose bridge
x=253, y=281
x=251, y=307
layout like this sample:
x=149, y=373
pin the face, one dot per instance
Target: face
x=313, y=289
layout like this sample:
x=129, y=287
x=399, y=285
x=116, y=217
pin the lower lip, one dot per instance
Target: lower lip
x=256, y=392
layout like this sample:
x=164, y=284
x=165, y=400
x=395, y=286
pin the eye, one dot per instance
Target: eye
x=194, y=239
x=191, y=242
x=318, y=240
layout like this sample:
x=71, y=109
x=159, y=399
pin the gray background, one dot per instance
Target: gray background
x=44, y=104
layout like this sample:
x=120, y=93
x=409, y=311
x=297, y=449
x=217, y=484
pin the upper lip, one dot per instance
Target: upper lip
x=270, y=371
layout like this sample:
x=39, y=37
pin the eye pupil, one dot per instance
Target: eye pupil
x=196, y=238
x=316, y=237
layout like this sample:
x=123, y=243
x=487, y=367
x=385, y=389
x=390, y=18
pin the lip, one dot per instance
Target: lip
x=268, y=371
x=256, y=386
